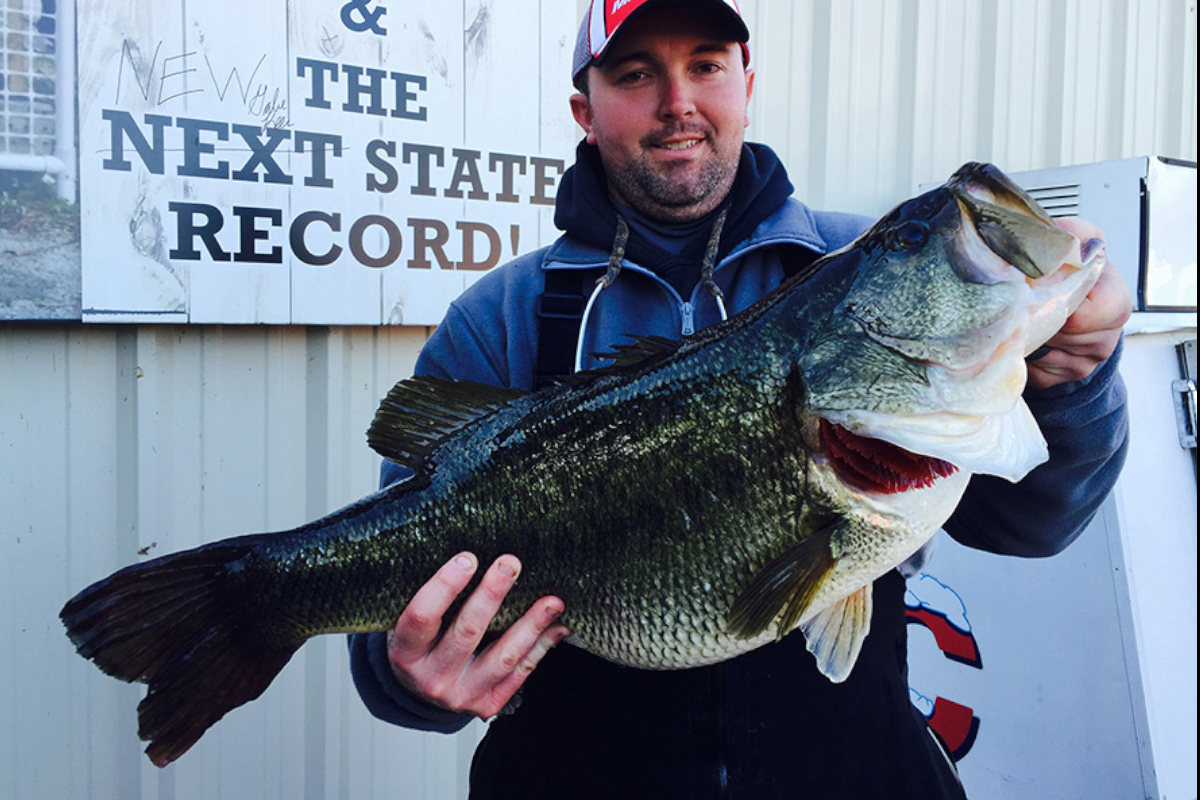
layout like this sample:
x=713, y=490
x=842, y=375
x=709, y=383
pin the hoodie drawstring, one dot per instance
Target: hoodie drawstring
x=710, y=263
x=614, y=268
x=617, y=256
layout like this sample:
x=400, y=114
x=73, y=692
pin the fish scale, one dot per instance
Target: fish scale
x=608, y=514
x=683, y=503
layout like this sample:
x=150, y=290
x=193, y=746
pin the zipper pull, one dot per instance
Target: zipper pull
x=689, y=321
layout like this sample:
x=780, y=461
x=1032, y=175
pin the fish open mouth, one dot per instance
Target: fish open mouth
x=878, y=466
x=1010, y=222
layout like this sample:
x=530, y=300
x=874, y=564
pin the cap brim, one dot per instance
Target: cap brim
x=729, y=17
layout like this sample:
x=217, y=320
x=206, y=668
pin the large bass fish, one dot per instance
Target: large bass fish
x=692, y=502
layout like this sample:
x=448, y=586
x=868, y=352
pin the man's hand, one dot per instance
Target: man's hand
x=1092, y=333
x=447, y=671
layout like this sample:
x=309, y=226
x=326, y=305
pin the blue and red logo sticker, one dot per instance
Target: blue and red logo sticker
x=936, y=606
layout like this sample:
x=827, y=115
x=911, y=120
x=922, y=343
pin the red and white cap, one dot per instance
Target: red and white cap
x=604, y=18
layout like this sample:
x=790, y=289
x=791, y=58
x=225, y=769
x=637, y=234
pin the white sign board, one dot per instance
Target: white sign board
x=314, y=163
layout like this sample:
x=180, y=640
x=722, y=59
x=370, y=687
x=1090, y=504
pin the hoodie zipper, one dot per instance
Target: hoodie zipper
x=687, y=309
x=689, y=319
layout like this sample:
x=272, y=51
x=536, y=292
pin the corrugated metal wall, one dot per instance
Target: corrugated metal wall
x=865, y=99
x=115, y=440
x=125, y=441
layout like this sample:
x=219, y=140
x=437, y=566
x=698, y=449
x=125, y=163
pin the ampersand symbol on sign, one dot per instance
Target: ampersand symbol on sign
x=367, y=18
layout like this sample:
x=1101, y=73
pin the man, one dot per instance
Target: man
x=664, y=172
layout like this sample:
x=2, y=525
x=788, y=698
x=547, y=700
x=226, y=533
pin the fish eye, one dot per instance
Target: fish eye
x=909, y=235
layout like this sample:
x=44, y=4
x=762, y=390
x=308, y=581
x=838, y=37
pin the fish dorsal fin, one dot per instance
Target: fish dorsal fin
x=785, y=586
x=419, y=413
x=835, y=636
x=642, y=348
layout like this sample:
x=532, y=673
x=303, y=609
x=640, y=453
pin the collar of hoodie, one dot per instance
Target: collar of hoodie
x=585, y=211
x=616, y=259
x=583, y=208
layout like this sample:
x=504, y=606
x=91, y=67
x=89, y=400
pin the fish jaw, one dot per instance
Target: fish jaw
x=1056, y=297
x=1009, y=221
x=1006, y=445
x=982, y=423
x=1004, y=229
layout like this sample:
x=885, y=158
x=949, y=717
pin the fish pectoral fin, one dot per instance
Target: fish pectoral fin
x=784, y=587
x=835, y=636
x=419, y=413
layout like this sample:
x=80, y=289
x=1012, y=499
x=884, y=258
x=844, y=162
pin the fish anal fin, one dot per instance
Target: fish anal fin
x=784, y=588
x=835, y=635
x=419, y=413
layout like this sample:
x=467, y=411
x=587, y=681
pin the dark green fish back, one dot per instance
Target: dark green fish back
x=627, y=490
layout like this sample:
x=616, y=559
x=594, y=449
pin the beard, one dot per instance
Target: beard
x=675, y=192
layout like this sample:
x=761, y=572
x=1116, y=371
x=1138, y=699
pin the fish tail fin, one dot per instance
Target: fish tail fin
x=177, y=625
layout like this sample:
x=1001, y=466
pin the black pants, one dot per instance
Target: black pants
x=762, y=726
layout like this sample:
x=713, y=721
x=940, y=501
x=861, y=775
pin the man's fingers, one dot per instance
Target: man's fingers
x=505, y=655
x=1080, y=228
x=421, y=620
x=1092, y=333
x=462, y=638
x=446, y=670
x=507, y=664
x=1106, y=307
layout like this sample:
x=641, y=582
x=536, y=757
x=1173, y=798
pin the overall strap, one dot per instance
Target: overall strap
x=559, y=311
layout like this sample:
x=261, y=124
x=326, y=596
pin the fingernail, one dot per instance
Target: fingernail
x=1041, y=352
x=506, y=569
x=465, y=563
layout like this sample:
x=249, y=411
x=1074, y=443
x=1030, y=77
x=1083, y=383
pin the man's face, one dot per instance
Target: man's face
x=667, y=109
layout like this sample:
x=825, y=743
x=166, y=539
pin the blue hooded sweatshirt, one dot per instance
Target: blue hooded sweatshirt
x=767, y=723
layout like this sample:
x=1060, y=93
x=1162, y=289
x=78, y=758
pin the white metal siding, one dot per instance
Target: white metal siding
x=119, y=439
x=865, y=99
x=114, y=439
